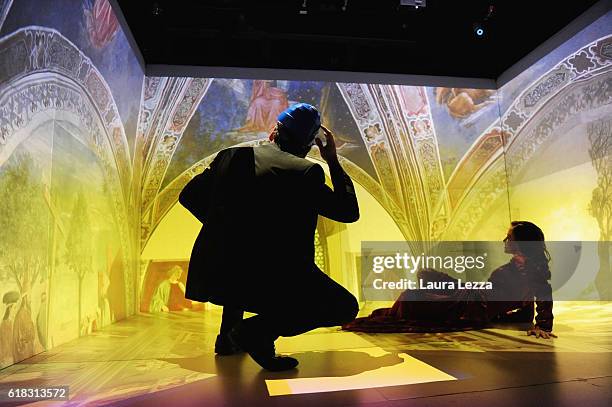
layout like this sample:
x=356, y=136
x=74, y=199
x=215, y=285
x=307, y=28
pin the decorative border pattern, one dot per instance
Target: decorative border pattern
x=586, y=62
x=188, y=93
x=373, y=131
x=403, y=149
x=580, y=82
x=32, y=50
x=574, y=99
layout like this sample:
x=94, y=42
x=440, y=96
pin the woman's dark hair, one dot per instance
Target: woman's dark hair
x=529, y=240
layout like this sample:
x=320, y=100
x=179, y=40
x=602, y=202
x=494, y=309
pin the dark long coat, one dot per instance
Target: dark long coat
x=259, y=207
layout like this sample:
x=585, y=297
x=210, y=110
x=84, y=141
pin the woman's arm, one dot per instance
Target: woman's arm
x=544, y=305
x=544, y=315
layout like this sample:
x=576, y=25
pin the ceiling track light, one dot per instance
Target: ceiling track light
x=414, y=3
x=156, y=10
x=324, y=6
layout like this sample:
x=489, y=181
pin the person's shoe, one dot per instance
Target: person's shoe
x=225, y=347
x=263, y=353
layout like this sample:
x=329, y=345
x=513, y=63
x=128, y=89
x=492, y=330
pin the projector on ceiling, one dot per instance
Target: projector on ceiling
x=413, y=3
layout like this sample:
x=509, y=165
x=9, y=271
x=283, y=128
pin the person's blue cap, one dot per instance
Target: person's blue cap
x=302, y=120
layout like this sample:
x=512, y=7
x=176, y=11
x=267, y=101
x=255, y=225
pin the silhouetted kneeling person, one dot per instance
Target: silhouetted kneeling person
x=255, y=252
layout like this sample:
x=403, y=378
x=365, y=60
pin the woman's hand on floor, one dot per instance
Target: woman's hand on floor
x=539, y=333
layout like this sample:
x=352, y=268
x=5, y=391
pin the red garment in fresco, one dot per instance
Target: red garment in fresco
x=267, y=102
x=102, y=24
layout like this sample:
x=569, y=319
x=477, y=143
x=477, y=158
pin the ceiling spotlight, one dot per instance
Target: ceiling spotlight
x=479, y=30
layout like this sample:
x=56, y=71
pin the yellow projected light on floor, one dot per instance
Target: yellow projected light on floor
x=409, y=371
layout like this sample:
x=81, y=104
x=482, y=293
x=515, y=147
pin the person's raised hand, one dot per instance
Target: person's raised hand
x=539, y=333
x=328, y=152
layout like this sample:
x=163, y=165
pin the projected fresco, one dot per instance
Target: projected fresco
x=438, y=163
x=68, y=117
x=557, y=116
x=93, y=155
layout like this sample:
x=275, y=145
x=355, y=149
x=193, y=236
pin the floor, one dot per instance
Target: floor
x=167, y=360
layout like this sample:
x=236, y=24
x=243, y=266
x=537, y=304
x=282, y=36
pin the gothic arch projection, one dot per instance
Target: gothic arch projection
x=42, y=71
x=580, y=82
x=156, y=97
x=165, y=243
x=401, y=143
x=156, y=203
x=32, y=50
x=168, y=105
x=169, y=195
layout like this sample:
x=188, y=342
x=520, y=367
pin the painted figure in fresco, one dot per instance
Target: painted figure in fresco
x=267, y=102
x=104, y=313
x=259, y=208
x=415, y=100
x=518, y=286
x=161, y=297
x=462, y=102
x=41, y=321
x=101, y=23
x=24, y=332
x=9, y=300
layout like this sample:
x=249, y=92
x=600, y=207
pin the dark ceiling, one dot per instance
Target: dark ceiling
x=370, y=36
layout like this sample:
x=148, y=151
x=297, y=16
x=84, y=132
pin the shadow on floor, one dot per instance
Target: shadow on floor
x=335, y=363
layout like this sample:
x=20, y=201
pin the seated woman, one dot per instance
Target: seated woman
x=517, y=286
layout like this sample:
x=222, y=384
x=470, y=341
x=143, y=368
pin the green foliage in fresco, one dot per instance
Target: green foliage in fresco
x=23, y=221
x=600, y=207
x=79, y=244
